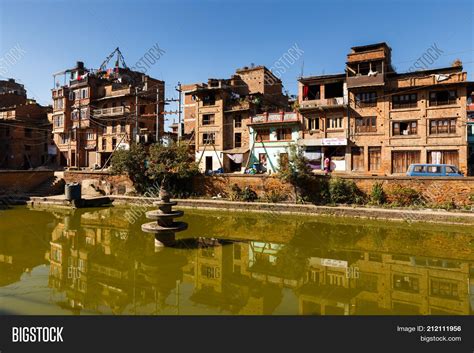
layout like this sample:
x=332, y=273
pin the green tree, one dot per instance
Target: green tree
x=171, y=165
x=133, y=163
x=296, y=171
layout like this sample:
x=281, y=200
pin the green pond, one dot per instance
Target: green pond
x=98, y=261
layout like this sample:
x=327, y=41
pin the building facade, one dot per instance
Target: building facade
x=217, y=114
x=25, y=132
x=373, y=120
x=100, y=111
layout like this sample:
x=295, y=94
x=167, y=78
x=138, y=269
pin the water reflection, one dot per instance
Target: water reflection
x=233, y=264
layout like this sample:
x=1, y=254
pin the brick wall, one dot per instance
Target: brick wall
x=442, y=190
x=22, y=181
x=94, y=183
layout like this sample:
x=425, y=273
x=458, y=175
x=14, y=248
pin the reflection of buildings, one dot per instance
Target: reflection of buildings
x=98, y=265
x=379, y=283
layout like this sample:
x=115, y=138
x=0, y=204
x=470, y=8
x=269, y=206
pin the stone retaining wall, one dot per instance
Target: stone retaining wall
x=22, y=181
x=100, y=183
x=459, y=191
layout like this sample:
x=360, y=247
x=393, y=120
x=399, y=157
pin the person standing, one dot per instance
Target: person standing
x=327, y=165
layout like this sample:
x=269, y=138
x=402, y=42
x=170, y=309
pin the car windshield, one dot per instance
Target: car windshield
x=452, y=170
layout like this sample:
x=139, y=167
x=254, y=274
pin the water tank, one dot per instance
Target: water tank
x=73, y=191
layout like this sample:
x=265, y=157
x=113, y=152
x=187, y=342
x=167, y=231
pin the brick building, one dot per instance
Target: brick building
x=25, y=132
x=99, y=111
x=216, y=115
x=373, y=120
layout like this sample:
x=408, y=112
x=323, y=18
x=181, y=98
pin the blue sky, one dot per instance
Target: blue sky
x=206, y=38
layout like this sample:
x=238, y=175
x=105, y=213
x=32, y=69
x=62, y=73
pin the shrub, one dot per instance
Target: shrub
x=275, y=196
x=296, y=171
x=345, y=191
x=247, y=194
x=402, y=196
x=377, y=195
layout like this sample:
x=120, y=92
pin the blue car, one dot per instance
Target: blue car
x=434, y=170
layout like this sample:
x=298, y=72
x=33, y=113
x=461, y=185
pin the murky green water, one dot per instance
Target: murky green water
x=95, y=262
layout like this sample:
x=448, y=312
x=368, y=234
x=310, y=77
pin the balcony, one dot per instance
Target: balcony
x=114, y=111
x=365, y=81
x=274, y=118
x=324, y=103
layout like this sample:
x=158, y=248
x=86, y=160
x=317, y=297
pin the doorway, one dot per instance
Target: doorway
x=208, y=163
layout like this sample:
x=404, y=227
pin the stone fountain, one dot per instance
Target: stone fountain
x=164, y=227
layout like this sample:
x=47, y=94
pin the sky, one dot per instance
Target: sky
x=210, y=39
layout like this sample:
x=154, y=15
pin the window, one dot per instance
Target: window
x=114, y=128
x=404, y=101
x=58, y=121
x=208, y=119
x=114, y=143
x=104, y=144
x=237, y=251
x=443, y=157
x=311, y=92
x=209, y=138
x=312, y=123
x=238, y=139
x=84, y=93
x=237, y=121
x=334, y=123
x=75, y=115
x=401, y=160
x=405, y=283
x=366, y=124
x=284, y=134
x=122, y=126
x=442, y=126
x=444, y=289
x=333, y=90
x=28, y=132
x=263, y=135
x=64, y=138
x=375, y=158
x=357, y=158
x=90, y=135
x=366, y=99
x=210, y=99
x=58, y=104
x=403, y=128
x=442, y=97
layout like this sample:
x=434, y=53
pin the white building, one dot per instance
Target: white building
x=271, y=134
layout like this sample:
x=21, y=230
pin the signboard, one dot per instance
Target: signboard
x=334, y=141
x=123, y=146
x=334, y=263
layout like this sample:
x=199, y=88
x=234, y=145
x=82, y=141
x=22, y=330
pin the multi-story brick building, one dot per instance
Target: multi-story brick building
x=217, y=113
x=99, y=111
x=25, y=132
x=373, y=120
x=470, y=130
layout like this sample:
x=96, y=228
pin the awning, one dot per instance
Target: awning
x=236, y=150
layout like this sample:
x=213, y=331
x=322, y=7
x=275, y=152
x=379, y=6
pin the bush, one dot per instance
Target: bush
x=377, y=195
x=275, y=196
x=402, y=196
x=247, y=194
x=345, y=191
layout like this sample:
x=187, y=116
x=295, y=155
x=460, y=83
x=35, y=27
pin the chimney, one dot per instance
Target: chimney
x=11, y=80
x=79, y=64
